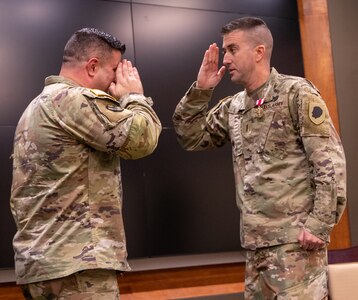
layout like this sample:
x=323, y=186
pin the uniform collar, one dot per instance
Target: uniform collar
x=60, y=79
x=265, y=91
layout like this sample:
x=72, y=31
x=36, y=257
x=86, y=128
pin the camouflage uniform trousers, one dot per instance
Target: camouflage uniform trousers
x=94, y=284
x=286, y=272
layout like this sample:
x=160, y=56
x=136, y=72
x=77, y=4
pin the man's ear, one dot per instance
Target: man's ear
x=92, y=66
x=260, y=52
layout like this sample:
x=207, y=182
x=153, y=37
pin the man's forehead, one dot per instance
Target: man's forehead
x=234, y=38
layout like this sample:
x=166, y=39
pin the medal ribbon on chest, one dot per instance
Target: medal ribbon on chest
x=259, y=109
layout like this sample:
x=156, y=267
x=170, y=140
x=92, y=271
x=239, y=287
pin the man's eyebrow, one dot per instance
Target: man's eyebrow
x=232, y=45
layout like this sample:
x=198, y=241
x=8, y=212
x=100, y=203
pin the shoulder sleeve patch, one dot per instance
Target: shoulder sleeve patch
x=108, y=110
x=314, y=117
x=106, y=107
x=316, y=113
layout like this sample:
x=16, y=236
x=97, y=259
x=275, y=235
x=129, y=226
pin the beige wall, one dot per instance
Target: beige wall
x=343, y=26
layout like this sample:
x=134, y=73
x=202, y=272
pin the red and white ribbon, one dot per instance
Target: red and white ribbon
x=260, y=102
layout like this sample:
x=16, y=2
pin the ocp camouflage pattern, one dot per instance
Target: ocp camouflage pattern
x=98, y=284
x=289, y=163
x=286, y=272
x=66, y=195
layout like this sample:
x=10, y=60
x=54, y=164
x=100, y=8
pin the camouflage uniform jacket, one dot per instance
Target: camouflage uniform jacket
x=66, y=195
x=289, y=163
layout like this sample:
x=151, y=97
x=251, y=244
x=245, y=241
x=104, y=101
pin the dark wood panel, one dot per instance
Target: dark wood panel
x=167, y=284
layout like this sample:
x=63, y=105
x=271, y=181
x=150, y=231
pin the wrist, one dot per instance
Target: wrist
x=199, y=86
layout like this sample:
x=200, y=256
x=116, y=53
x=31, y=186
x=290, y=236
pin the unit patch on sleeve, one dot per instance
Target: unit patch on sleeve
x=314, y=117
x=316, y=112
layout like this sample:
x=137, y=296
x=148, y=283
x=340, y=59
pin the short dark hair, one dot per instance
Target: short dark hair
x=87, y=40
x=259, y=32
x=245, y=23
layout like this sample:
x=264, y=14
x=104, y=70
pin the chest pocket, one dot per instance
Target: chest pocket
x=275, y=136
x=264, y=136
x=250, y=135
x=254, y=132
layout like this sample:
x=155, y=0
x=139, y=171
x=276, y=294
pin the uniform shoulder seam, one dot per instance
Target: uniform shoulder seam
x=97, y=94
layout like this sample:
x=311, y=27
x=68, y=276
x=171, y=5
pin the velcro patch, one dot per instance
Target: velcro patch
x=114, y=113
x=315, y=119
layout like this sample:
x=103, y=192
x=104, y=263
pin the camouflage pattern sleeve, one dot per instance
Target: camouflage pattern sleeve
x=325, y=153
x=127, y=127
x=145, y=129
x=196, y=127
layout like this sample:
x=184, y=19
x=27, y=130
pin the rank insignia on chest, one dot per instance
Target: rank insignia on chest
x=259, y=110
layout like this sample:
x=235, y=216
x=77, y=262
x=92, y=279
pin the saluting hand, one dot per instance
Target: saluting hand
x=209, y=74
x=127, y=80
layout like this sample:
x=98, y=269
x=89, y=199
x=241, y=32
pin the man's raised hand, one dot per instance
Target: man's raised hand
x=209, y=74
x=127, y=80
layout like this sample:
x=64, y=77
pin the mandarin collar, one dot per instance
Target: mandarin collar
x=60, y=79
x=264, y=91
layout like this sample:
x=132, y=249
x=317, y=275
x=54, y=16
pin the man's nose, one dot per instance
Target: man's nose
x=226, y=59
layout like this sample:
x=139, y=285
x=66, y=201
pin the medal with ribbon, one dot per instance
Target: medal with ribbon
x=259, y=109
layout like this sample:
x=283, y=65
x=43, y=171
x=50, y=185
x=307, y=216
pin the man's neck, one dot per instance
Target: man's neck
x=259, y=80
x=74, y=75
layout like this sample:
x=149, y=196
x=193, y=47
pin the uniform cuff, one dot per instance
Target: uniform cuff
x=135, y=97
x=201, y=96
x=318, y=228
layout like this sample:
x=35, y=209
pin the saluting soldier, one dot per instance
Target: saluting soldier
x=289, y=163
x=66, y=195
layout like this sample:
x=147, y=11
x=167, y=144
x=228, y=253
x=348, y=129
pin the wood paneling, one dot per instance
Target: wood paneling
x=167, y=284
x=318, y=67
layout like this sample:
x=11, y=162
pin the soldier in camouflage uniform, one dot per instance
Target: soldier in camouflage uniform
x=289, y=163
x=66, y=195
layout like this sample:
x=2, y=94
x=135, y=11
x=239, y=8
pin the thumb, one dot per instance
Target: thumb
x=111, y=89
x=221, y=72
x=301, y=235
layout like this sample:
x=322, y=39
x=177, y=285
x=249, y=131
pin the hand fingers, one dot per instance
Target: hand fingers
x=303, y=240
x=314, y=246
x=205, y=58
x=129, y=68
x=211, y=55
x=125, y=70
x=119, y=71
x=136, y=73
x=214, y=53
x=309, y=241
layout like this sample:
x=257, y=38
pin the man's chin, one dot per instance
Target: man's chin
x=234, y=79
